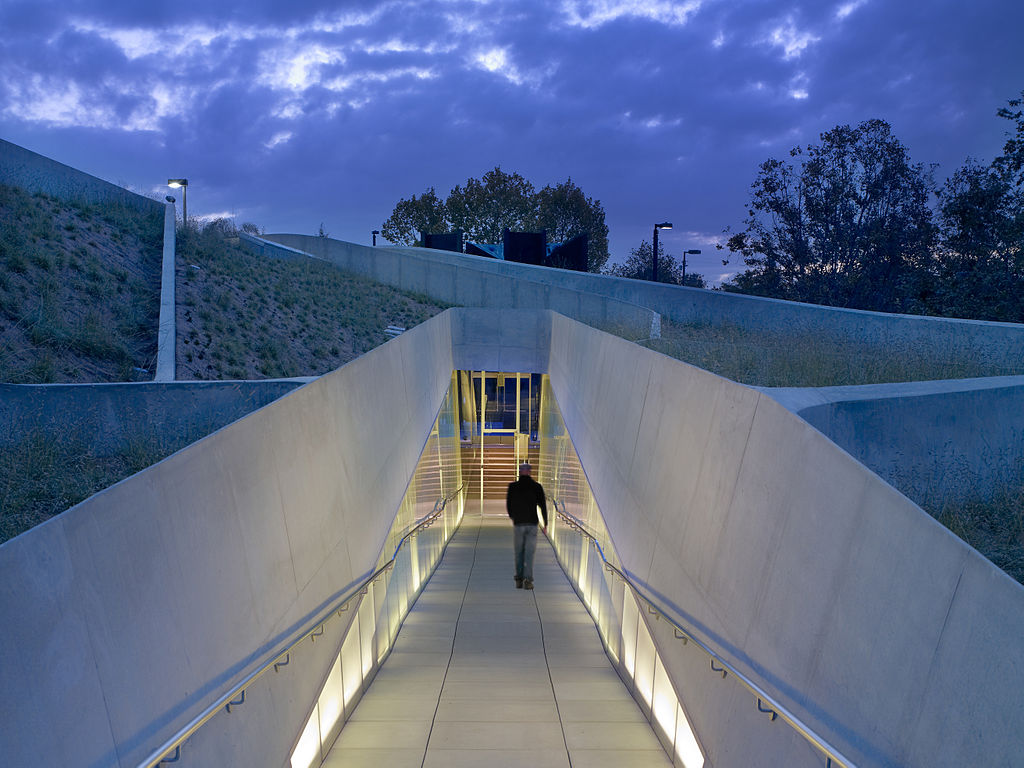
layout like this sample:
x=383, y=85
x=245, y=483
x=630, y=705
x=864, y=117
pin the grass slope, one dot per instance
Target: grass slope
x=242, y=316
x=79, y=290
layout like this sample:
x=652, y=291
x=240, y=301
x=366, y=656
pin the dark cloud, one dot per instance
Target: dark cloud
x=297, y=113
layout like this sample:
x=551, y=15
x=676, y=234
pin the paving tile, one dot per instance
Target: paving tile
x=624, y=710
x=493, y=735
x=496, y=758
x=497, y=711
x=616, y=758
x=374, y=758
x=632, y=736
x=370, y=734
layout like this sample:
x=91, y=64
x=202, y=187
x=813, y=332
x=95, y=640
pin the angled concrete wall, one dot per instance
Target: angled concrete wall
x=128, y=611
x=453, y=277
x=888, y=635
x=469, y=281
x=20, y=167
x=936, y=441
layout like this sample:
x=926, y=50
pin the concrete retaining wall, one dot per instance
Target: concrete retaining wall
x=125, y=613
x=888, y=635
x=943, y=338
x=469, y=281
x=936, y=441
x=455, y=278
x=20, y=167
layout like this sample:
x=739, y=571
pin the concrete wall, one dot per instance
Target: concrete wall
x=1000, y=344
x=20, y=167
x=106, y=418
x=944, y=338
x=935, y=441
x=125, y=613
x=888, y=635
x=166, y=333
x=469, y=281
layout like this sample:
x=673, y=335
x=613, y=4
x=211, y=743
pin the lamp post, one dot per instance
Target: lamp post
x=183, y=183
x=692, y=252
x=654, y=254
x=375, y=233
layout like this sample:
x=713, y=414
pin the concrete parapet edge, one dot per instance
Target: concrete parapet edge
x=936, y=441
x=469, y=281
x=166, y=334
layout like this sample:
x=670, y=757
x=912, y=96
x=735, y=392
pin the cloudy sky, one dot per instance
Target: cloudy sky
x=289, y=114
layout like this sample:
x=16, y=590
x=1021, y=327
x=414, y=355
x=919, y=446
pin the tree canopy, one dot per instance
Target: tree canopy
x=483, y=208
x=640, y=266
x=853, y=222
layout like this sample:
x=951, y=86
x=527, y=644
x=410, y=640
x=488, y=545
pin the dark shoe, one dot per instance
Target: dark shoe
x=519, y=583
x=527, y=584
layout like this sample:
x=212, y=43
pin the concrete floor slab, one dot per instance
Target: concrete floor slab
x=484, y=674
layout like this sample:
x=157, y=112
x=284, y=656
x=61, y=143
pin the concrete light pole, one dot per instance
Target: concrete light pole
x=692, y=252
x=654, y=254
x=183, y=183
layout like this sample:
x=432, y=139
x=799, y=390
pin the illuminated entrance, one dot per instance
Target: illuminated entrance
x=499, y=418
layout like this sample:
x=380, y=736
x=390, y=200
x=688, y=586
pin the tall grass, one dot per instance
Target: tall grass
x=806, y=359
x=44, y=472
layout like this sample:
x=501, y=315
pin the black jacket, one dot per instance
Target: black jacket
x=522, y=500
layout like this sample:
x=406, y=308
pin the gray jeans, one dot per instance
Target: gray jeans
x=524, y=540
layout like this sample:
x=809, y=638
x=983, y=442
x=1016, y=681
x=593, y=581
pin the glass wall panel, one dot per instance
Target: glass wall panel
x=407, y=558
x=585, y=550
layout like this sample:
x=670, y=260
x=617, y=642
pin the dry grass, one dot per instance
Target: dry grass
x=994, y=527
x=804, y=359
x=79, y=290
x=44, y=473
x=242, y=316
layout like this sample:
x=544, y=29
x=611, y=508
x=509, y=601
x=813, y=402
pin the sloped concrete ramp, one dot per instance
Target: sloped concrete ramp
x=484, y=674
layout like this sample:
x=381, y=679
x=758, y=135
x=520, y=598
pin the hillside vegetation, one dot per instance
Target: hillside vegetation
x=242, y=316
x=79, y=290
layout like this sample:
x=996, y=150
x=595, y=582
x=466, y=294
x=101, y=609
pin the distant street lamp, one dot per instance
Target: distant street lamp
x=375, y=233
x=183, y=183
x=691, y=252
x=654, y=259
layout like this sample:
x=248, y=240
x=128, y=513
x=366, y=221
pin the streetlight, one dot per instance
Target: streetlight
x=654, y=259
x=691, y=252
x=375, y=233
x=183, y=183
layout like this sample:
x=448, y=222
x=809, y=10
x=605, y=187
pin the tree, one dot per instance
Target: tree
x=426, y=213
x=849, y=224
x=640, y=266
x=565, y=212
x=485, y=208
x=982, y=217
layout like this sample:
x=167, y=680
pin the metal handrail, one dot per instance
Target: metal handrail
x=833, y=755
x=173, y=744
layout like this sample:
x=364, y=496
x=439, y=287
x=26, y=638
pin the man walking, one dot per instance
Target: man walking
x=521, y=502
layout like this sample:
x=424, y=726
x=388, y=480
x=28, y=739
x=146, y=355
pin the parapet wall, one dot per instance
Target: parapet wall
x=20, y=167
x=129, y=611
x=936, y=441
x=469, y=281
x=886, y=634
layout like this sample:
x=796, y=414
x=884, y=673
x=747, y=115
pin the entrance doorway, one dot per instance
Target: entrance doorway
x=499, y=421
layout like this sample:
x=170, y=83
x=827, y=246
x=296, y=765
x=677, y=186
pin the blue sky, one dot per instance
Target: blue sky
x=293, y=114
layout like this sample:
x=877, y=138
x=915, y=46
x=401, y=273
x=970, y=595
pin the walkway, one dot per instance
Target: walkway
x=484, y=674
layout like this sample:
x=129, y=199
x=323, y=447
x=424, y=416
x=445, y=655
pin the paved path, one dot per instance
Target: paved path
x=484, y=674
